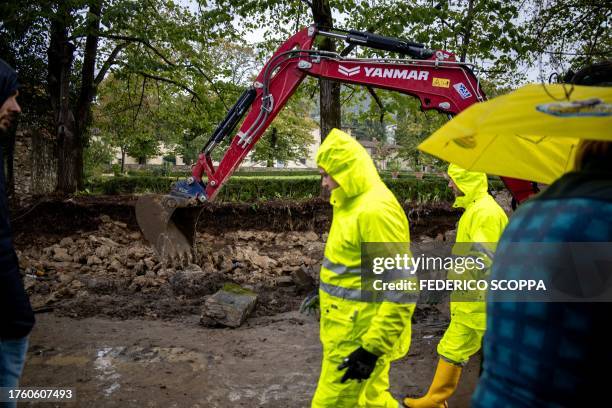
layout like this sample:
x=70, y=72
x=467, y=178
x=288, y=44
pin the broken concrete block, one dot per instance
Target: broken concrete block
x=230, y=306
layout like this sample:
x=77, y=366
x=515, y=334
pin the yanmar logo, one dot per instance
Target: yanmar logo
x=348, y=71
x=397, y=73
x=394, y=73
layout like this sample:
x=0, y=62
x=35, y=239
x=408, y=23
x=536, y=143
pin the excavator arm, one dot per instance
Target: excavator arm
x=436, y=78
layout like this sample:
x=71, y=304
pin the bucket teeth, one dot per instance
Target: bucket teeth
x=169, y=224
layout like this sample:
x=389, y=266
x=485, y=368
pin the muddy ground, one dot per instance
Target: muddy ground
x=124, y=329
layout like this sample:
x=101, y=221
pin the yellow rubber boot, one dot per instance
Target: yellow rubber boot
x=442, y=387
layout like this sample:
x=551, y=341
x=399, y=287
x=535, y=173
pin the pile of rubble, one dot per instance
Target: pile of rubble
x=114, y=265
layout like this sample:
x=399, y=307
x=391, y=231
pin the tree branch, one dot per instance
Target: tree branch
x=144, y=84
x=378, y=102
x=142, y=41
x=170, y=81
x=109, y=62
x=214, y=87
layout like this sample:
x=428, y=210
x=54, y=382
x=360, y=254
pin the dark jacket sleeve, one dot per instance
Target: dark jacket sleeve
x=16, y=316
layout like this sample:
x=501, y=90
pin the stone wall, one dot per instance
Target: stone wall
x=35, y=164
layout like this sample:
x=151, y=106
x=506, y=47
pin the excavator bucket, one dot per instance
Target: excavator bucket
x=169, y=223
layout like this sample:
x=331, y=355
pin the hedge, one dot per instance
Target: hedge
x=253, y=188
x=263, y=172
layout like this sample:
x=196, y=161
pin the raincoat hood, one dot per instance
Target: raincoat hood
x=8, y=81
x=472, y=183
x=345, y=159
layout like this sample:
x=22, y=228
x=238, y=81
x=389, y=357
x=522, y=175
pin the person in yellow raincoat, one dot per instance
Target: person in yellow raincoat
x=482, y=224
x=360, y=338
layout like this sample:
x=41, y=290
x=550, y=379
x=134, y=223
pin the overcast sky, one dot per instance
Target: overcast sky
x=532, y=72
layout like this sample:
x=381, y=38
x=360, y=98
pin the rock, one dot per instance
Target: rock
x=137, y=252
x=105, y=219
x=192, y=268
x=250, y=255
x=150, y=275
x=190, y=282
x=66, y=242
x=293, y=259
x=79, y=258
x=120, y=224
x=302, y=279
x=229, y=307
x=284, y=281
x=29, y=282
x=140, y=282
x=450, y=235
x=139, y=268
x=245, y=235
x=263, y=236
x=93, y=260
x=311, y=236
x=48, y=251
x=98, y=285
x=103, y=251
x=107, y=241
x=225, y=265
x=76, y=284
x=65, y=278
x=134, y=236
x=150, y=263
x=166, y=273
x=61, y=255
x=115, y=265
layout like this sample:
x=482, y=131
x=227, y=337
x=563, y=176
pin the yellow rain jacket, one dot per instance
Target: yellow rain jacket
x=364, y=210
x=482, y=224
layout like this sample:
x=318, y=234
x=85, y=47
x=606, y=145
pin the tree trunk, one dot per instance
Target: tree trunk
x=271, y=151
x=70, y=128
x=122, y=160
x=467, y=31
x=329, y=94
x=61, y=57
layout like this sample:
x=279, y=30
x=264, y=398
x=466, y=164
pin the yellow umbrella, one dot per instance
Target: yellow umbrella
x=530, y=134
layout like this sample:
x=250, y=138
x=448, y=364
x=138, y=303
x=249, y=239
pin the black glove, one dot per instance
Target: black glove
x=360, y=364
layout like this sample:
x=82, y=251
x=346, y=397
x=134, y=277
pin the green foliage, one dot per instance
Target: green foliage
x=130, y=185
x=568, y=34
x=98, y=156
x=168, y=72
x=289, y=136
x=257, y=188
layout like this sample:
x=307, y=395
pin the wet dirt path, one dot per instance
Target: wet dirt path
x=270, y=362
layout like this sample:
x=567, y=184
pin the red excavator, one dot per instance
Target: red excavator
x=434, y=76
